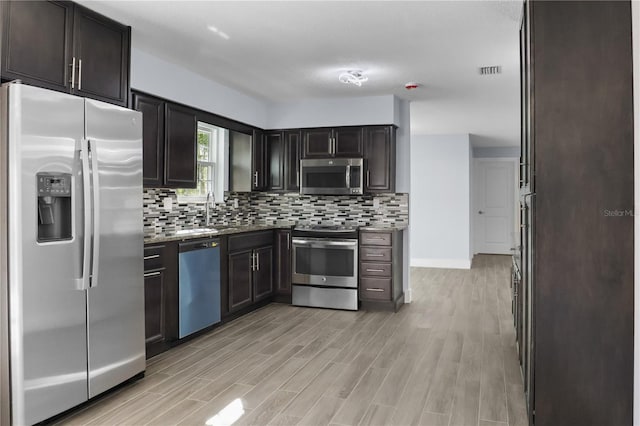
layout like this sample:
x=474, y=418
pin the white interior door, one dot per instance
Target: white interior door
x=495, y=209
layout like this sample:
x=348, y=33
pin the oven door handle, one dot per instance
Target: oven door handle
x=316, y=243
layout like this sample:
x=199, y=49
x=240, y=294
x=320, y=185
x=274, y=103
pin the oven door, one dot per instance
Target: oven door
x=325, y=262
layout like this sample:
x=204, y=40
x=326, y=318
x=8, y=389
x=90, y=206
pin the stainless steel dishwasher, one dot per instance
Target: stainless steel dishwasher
x=199, y=283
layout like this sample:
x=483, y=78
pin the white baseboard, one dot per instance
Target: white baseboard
x=407, y=296
x=441, y=263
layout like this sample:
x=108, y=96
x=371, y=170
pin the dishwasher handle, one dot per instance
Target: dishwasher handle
x=198, y=245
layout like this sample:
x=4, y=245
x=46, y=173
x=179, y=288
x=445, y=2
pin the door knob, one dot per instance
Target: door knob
x=480, y=212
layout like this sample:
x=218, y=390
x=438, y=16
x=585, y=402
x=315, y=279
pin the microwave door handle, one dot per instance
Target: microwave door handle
x=83, y=281
x=348, y=178
x=96, y=214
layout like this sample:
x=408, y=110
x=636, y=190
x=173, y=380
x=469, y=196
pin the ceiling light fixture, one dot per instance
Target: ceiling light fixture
x=353, y=77
x=217, y=31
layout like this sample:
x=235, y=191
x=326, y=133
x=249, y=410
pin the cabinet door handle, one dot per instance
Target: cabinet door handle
x=375, y=239
x=288, y=241
x=379, y=290
x=73, y=73
x=257, y=261
x=153, y=256
x=80, y=74
x=375, y=270
x=255, y=179
x=151, y=274
x=374, y=255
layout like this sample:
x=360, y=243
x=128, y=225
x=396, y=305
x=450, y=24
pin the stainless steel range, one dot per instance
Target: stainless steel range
x=325, y=266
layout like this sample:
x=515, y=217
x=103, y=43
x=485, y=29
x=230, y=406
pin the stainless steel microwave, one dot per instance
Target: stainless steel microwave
x=331, y=176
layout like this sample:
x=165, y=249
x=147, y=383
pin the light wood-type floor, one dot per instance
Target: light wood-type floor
x=448, y=358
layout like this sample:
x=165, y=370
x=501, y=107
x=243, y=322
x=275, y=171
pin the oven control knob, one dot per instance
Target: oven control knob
x=324, y=279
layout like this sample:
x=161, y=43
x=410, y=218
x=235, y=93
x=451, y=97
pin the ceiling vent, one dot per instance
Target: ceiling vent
x=494, y=69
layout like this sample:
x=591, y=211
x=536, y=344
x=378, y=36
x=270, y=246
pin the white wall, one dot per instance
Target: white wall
x=331, y=112
x=162, y=78
x=403, y=144
x=635, y=12
x=439, y=209
x=158, y=77
x=497, y=152
x=403, y=178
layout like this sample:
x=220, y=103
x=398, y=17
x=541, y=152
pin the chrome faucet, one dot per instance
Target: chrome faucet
x=207, y=207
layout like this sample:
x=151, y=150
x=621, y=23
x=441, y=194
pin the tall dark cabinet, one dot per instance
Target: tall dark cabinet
x=577, y=200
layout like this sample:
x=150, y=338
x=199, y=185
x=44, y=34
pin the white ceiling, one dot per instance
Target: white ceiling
x=282, y=51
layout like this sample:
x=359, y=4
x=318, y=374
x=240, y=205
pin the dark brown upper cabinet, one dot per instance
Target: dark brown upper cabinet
x=332, y=142
x=347, y=142
x=259, y=178
x=152, y=110
x=101, y=51
x=275, y=145
x=317, y=143
x=37, y=43
x=180, y=146
x=65, y=47
x=168, y=142
x=283, y=159
x=380, y=159
x=292, y=160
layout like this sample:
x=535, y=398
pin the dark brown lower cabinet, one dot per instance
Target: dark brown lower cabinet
x=381, y=270
x=160, y=297
x=283, y=266
x=250, y=269
x=154, y=302
x=263, y=273
x=240, y=280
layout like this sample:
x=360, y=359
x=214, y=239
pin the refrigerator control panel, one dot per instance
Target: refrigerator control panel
x=56, y=185
x=54, y=207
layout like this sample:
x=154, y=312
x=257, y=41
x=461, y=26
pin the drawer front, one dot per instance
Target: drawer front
x=375, y=288
x=154, y=257
x=375, y=254
x=250, y=240
x=375, y=238
x=375, y=269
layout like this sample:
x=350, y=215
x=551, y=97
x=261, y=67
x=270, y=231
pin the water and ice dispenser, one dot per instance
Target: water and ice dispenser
x=54, y=207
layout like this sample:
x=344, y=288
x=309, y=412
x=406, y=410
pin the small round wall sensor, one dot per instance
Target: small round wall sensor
x=411, y=85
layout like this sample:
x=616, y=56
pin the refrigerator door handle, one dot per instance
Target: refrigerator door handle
x=96, y=214
x=83, y=282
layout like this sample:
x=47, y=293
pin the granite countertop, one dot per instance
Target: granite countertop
x=384, y=227
x=215, y=231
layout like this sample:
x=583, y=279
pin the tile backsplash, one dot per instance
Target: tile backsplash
x=272, y=207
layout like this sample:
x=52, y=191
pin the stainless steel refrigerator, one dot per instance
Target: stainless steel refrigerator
x=71, y=248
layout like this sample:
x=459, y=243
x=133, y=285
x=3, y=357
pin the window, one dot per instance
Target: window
x=210, y=162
